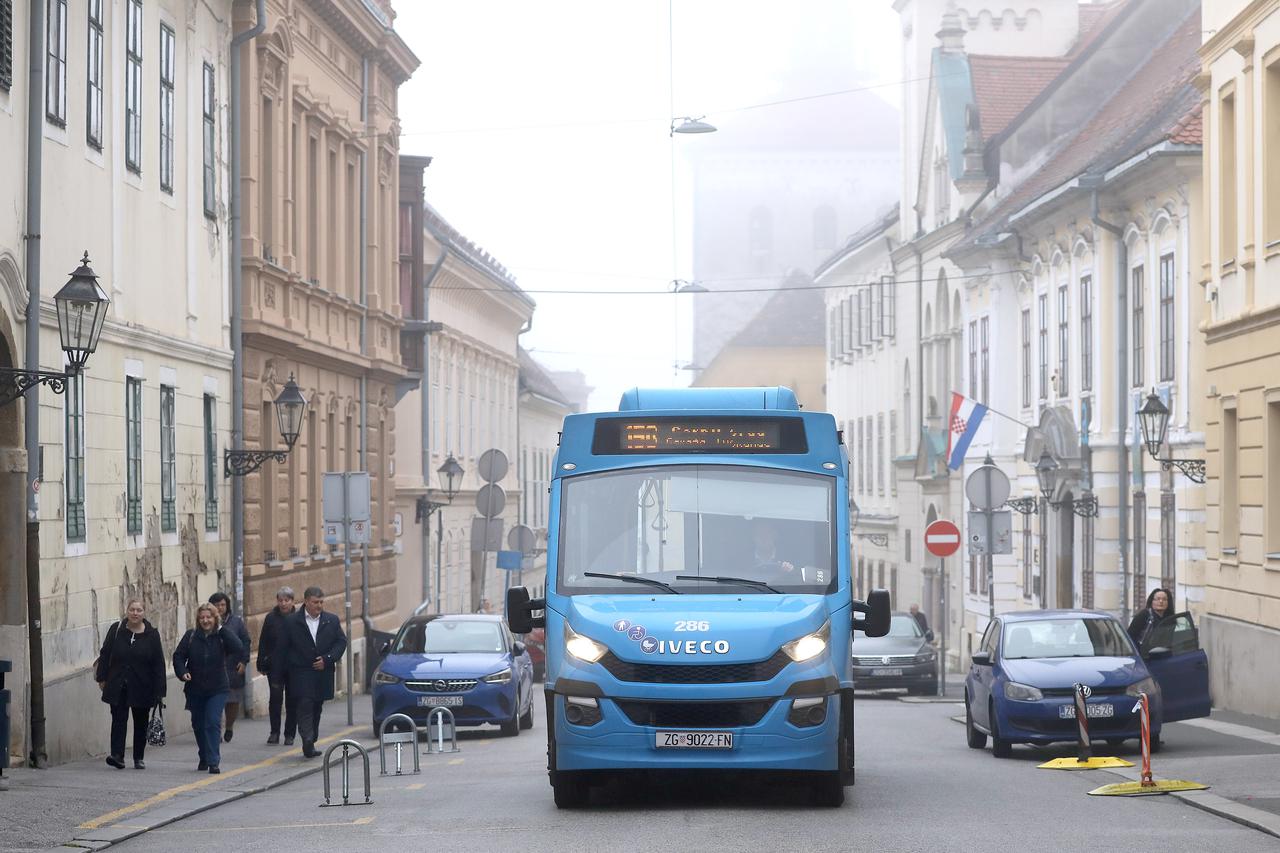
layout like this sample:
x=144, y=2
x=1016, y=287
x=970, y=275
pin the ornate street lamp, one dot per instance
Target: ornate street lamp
x=450, y=474
x=290, y=407
x=878, y=539
x=1047, y=474
x=82, y=309
x=1153, y=417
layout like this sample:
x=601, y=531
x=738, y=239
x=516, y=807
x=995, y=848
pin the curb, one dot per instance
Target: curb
x=104, y=837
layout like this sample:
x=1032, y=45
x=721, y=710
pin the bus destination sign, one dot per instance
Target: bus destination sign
x=699, y=435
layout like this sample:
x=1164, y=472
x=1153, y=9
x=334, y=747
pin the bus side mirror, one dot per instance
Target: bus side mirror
x=875, y=621
x=520, y=607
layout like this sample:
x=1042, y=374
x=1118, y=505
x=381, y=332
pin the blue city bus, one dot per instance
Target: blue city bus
x=699, y=609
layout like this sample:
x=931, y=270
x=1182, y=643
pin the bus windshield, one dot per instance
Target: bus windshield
x=769, y=531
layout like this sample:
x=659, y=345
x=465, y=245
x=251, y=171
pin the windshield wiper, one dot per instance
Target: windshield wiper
x=634, y=579
x=741, y=581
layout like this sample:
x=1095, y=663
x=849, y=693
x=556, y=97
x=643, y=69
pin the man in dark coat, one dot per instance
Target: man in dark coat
x=281, y=696
x=306, y=657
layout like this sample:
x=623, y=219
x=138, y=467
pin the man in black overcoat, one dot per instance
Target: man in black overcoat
x=310, y=645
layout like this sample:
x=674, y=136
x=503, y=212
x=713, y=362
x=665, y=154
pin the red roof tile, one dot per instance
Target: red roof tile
x=1189, y=130
x=1004, y=85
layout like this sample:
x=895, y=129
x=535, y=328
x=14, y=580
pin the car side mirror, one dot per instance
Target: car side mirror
x=520, y=607
x=385, y=649
x=1159, y=652
x=517, y=648
x=982, y=658
x=876, y=613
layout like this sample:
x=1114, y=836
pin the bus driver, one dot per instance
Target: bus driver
x=765, y=538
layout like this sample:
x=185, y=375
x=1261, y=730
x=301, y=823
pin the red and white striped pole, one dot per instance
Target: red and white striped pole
x=1082, y=725
x=1145, y=711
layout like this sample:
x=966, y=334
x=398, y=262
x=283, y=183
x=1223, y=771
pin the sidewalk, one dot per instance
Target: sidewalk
x=90, y=805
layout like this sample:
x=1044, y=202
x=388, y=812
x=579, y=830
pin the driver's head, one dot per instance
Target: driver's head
x=765, y=538
x=914, y=609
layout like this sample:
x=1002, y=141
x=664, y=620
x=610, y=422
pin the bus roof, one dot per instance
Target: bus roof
x=777, y=398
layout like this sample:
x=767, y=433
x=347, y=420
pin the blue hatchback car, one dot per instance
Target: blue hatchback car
x=470, y=664
x=1020, y=686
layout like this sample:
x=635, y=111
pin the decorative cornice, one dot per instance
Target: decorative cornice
x=143, y=338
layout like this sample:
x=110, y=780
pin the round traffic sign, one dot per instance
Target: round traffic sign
x=987, y=487
x=942, y=538
x=492, y=465
x=491, y=499
x=521, y=538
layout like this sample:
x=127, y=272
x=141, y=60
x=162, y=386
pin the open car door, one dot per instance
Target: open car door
x=1173, y=655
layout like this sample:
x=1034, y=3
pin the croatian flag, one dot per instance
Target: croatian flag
x=966, y=417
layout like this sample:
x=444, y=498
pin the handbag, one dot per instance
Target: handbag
x=155, y=728
x=110, y=644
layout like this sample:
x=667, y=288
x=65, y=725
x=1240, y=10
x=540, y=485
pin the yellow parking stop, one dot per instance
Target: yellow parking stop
x=1147, y=788
x=1095, y=763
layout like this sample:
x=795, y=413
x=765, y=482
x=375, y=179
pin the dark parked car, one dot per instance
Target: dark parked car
x=901, y=658
x=470, y=664
x=1020, y=686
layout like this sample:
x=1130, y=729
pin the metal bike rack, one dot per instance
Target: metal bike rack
x=347, y=746
x=399, y=739
x=442, y=712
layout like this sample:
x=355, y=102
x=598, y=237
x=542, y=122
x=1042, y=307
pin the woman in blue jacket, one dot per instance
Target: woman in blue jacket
x=200, y=661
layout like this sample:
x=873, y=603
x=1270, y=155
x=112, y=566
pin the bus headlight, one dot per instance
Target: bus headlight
x=583, y=648
x=810, y=645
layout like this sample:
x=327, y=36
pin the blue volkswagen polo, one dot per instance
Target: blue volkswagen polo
x=470, y=664
x=1021, y=684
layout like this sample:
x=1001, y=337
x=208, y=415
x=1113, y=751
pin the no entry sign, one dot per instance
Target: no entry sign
x=942, y=538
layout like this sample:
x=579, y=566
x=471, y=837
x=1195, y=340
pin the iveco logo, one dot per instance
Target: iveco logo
x=441, y=686
x=884, y=659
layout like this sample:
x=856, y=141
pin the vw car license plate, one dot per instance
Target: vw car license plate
x=887, y=670
x=694, y=740
x=448, y=701
x=1068, y=712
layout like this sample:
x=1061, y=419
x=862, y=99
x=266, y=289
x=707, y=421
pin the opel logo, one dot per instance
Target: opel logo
x=441, y=686
x=884, y=659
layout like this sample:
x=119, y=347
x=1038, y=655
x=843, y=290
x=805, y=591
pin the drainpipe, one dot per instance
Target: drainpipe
x=1122, y=385
x=237, y=293
x=364, y=329
x=31, y=407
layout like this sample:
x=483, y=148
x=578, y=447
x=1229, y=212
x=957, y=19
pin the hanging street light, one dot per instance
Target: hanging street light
x=680, y=285
x=1153, y=417
x=689, y=124
x=1047, y=474
x=290, y=406
x=82, y=310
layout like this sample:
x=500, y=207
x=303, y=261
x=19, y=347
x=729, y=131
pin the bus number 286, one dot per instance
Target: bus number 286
x=692, y=625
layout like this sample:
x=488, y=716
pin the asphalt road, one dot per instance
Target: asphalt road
x=919, y=788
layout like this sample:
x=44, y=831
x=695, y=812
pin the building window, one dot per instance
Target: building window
x=168, y=462
x=1229, y=523
x=1139, y=309
x=869, y=324
x=893, y=449
x=211, y=464
x=1087, y=542
x=1169, y=542
x=6, y=44
x=1227, y=238
x=1271, y=168
x=858, y=459
x=888, y=306
x=1086, y=333
x=984, y=344
x=1026, y=358
x=73, y=404
x=973, y=574
x=133, y=454
x=133, y=88
x=166, y=108
x=1064, y=342
x=1043, y=304
x=93, y=100
x=1139, y=550
x=208, y=110
x=973, y=359
x=55, y=65
x=1271, y=478
x=881, y=462
x=1167, y=322
x=1026, y=557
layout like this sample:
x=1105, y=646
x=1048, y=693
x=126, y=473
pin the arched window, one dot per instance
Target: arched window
x=824, y=228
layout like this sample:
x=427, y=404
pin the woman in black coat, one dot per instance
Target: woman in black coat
x=130, y=672
x=1159, y=605
x=235, y=666
x=201, y=662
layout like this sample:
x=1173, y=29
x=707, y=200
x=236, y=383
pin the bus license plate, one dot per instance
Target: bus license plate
x=694, y=740
x=436, y=701
x=1068, y=712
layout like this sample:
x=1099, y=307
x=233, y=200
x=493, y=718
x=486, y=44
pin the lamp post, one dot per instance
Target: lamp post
x=1153, y=417
x=450, y=477
x=82, y=309
x=879, y=539
x=290, y=406
x=1047, y=478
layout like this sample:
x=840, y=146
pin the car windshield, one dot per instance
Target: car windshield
x=904, y=626
x=449, y=636
x=762, y=525
x=1065, y=638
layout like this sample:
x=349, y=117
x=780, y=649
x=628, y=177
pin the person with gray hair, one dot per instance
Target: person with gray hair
x=281, y=696
x=310, y=645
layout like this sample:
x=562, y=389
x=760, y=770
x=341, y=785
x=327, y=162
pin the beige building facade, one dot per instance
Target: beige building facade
x=1239, y=236
x=542, y=409
x=131, y=496
x=319, y=119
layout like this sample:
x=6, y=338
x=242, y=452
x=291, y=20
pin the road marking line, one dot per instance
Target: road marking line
x=416, y=786
x=1235, y=730
x=358, y=822
x=102, y=820
x=456, y=760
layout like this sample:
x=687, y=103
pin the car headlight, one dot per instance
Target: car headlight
x=1022, y=692
x=1146, y=685
x=381, y=677
x=503, y=677
x=925, y=657
x=810, y=645
x=582, y=648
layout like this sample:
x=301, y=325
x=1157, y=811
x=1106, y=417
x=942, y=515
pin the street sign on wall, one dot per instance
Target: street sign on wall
x=942, y=538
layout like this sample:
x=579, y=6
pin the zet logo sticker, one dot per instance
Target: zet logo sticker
x=648, y=645
x=637, y=632
x=621, y=625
